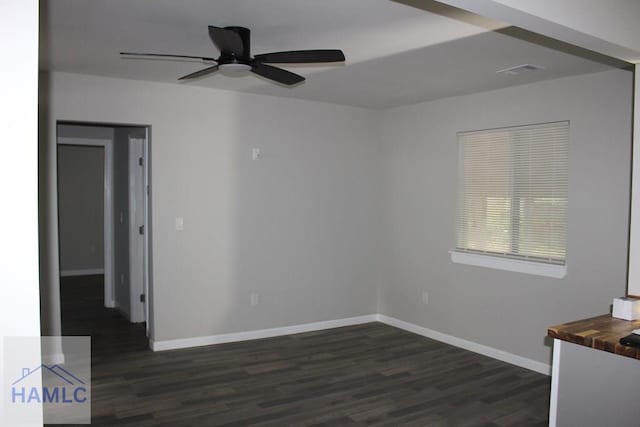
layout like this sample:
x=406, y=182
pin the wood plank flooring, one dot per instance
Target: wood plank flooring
x=370, y=374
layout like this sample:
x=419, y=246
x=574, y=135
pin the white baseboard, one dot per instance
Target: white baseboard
x=260, y=333
x=494, y=353
x=86, y=272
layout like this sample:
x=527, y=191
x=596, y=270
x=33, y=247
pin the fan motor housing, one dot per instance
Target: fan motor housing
x=245, y=35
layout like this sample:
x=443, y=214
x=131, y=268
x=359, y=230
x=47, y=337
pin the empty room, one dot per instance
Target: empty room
x=303, y=213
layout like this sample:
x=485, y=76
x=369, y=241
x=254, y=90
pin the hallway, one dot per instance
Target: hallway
x=83, y=313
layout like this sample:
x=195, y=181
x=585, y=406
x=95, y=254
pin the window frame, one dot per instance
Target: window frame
x=548, y=267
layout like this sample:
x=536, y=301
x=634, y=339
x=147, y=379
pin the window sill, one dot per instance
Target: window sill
x=498, y=263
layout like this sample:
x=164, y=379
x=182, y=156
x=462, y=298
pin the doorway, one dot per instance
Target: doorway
x=104, y=215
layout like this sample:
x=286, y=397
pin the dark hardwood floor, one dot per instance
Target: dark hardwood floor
x=370, y=374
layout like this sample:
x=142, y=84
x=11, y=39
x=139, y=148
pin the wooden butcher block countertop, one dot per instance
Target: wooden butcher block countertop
x=600, y=333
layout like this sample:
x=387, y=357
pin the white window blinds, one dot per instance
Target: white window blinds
x=512, y=192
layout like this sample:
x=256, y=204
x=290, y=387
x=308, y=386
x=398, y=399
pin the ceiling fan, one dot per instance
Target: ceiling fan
x=234, y=44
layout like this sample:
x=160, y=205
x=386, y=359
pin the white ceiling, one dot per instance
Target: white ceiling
x=396, y=54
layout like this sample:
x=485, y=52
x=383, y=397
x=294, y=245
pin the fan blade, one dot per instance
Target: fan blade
x=227, y=41
x=200, y=73
x=276, y=74
x=302, y=56
x=166, y=55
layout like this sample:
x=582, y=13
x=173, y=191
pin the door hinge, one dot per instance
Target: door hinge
x=140, y=161
x=143, y=298
x=141, y=229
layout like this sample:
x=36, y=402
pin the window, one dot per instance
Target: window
x=512, y=197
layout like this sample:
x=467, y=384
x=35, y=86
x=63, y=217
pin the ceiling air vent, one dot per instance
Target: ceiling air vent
x=520, y=69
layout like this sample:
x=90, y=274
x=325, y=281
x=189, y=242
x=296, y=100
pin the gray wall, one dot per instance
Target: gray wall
x=81, y=207
x=121, y=219
x=351, y=211
x=506, y=310
x=78, y=131
x=299, y=226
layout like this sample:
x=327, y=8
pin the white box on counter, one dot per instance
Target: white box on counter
x=626, y=308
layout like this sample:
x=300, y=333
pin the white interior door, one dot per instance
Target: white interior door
x=137, y=229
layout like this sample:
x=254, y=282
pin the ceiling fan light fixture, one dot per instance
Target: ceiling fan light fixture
x=234, y=68
x=234, y=44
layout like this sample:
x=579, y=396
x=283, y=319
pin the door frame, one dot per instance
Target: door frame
x=109, y=292
x=109, y=218
x=137, y=240
x=147, y=234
